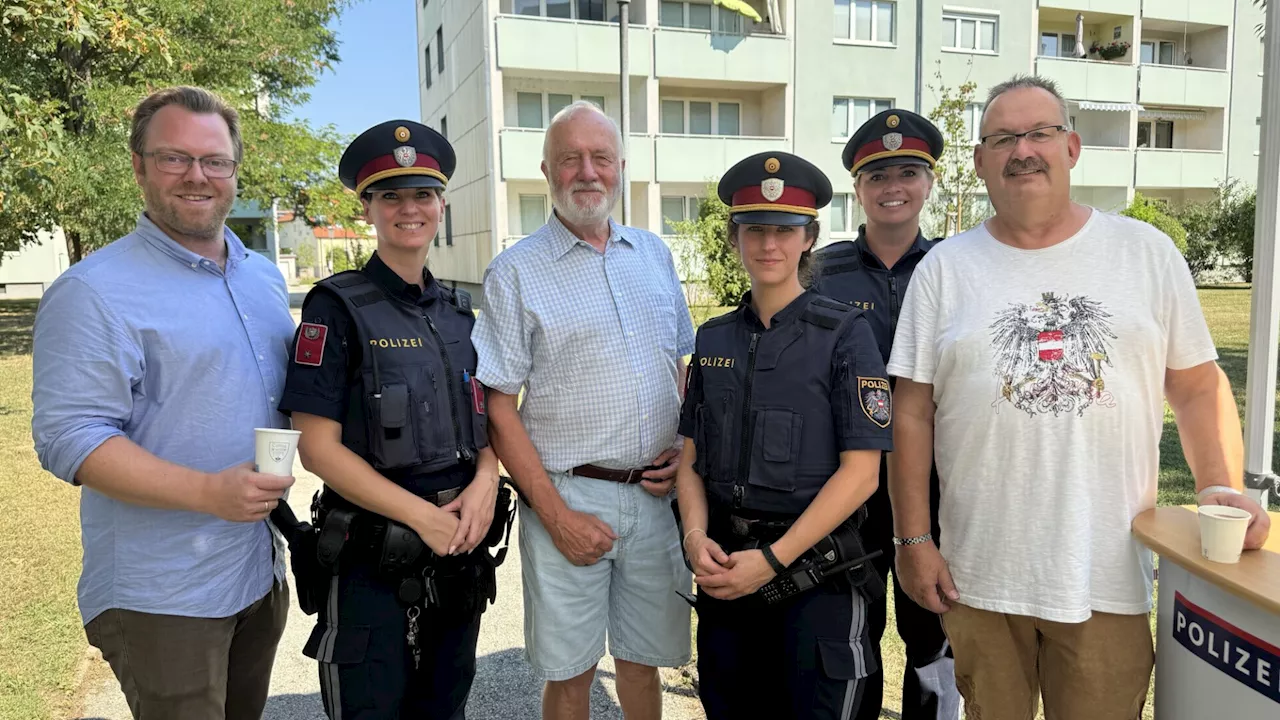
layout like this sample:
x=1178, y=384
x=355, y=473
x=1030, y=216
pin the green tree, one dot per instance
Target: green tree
x=721, y=267
x=1154, y=213
x=958, y=202
x=72, y=70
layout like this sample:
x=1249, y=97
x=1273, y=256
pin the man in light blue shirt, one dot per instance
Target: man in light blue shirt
x=154, y=360
x=588, y=318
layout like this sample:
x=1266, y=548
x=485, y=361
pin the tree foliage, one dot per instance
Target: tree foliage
x=707, y=236
x=1154, y=213
x=958, y=202
x=71, y=72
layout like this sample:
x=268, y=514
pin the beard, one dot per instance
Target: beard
x=200, y=223
x=581, y=211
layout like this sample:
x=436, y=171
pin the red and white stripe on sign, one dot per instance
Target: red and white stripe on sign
x=1050, y=345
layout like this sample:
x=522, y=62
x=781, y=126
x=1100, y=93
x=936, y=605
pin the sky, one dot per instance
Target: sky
x=377, y=78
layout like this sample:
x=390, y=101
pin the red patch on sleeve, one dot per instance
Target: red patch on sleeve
x=310, y=349
x=477, y=395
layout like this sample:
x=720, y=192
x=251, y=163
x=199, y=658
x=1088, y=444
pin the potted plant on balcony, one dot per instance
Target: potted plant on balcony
x=1111, y=50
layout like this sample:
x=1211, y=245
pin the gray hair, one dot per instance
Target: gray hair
x=566, y=114
x=1026, y=82
x=193, y=99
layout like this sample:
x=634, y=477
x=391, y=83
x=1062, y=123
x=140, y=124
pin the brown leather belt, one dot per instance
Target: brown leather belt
x=626, y=477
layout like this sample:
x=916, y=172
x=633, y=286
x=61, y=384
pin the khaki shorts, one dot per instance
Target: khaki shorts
x=1095, y=670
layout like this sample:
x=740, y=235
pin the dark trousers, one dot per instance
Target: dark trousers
x=367, y=670
x=803, y=659
x=925, y=696
x=194, y=668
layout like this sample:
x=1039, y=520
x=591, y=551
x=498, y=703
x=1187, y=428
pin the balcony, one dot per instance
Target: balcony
x=1158, y=168
x=521, y=155
x=1185, y=86
x=699, y=158
x=703, y=56
x=1090, y=79
x=1207, y=12
x=1103, y=167
x=1111, y=7
x=583, y=47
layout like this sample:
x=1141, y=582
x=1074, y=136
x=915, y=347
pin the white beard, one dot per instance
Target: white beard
x=583, y=212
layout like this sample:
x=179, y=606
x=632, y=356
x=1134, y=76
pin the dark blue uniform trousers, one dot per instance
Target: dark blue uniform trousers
x=805, y=658
x=366, y=667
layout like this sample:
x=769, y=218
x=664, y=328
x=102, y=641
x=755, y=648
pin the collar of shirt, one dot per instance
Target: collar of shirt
x=564, y=240
x=236, y=251
x=793, y=309
x=394, y=285
x=870, y=259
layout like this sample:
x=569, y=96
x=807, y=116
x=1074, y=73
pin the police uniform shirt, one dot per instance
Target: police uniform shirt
x=853, y=380
x=849, y=272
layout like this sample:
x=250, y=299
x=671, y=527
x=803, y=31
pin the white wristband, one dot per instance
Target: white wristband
x=1213, y=489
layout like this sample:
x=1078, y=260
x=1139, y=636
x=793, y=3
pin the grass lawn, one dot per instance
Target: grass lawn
x=41, y=639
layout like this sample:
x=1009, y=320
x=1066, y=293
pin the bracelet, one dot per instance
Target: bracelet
x=917, y=540
x=1212, y=490
x=686, y=535
x=769, y=557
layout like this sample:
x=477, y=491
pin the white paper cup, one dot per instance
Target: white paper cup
x=1222, y=531
x=274, y=449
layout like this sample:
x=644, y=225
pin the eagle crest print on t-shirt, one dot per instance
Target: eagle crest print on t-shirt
x=1050, y=356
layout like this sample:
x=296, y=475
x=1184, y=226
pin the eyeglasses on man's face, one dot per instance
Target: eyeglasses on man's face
x=175, y=163
x=1037, y=136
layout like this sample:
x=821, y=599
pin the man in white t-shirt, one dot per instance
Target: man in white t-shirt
x=1034, y=354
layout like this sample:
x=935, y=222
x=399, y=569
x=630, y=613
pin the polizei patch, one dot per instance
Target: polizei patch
x=877, y=402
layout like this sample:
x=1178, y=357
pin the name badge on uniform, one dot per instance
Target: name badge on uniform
x=310, y=349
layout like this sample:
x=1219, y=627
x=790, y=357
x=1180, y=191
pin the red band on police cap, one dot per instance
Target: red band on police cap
x=911, y=146
x=388, y=162
x=793, y=196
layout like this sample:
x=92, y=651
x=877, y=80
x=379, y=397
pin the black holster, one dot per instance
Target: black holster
x=310, y=579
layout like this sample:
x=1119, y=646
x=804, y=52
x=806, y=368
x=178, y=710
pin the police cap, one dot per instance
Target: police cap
x=774, y=188
x=893, y=137
x=397, y=154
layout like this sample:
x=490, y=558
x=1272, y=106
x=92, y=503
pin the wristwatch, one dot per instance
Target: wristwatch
x=769, y=557
x=917, y=540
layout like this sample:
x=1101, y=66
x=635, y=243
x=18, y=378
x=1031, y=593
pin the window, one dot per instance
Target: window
x=597, y=100
x=848, y=114
x=970, y=32
x=701, y=117
x=444, y=127
x=678, y=209
x=555, y=103
x=1058, y=45
x=563, y=9
x=591, y=10
x=1157, y=51
x=1163, y=134
x=701, y=16
x=846, y=213
x=529, y=110
x=533, y=213
x=559, y=8
x=973, y=122
x=526, y=7
x=448, y=225
x=427, y=53
x=440, y=49
x=866, y=20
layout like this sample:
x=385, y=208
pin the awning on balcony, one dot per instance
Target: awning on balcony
x=1164, y=114
x=1106, y=106
x=740, y=6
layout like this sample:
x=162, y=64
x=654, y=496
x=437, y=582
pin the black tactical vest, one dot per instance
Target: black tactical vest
x=413, y=411
x=765, y=433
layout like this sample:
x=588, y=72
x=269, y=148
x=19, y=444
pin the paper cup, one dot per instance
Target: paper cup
x=274, y=449
x=1222, y=531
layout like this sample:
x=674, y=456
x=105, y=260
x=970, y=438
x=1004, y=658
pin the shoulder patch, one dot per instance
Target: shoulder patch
x=876, y=400
x=310, y=349
x=346, y=278
x=825, y=313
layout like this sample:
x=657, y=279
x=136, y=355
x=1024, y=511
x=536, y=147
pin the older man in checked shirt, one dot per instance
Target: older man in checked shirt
x=588, y=318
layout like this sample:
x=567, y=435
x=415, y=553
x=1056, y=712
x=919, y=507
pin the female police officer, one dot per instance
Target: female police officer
x=891, y=158
x=786, y=414
x=381, y=387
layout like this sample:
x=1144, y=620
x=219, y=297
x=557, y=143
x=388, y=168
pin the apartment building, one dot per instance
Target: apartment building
x=1171, y=117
